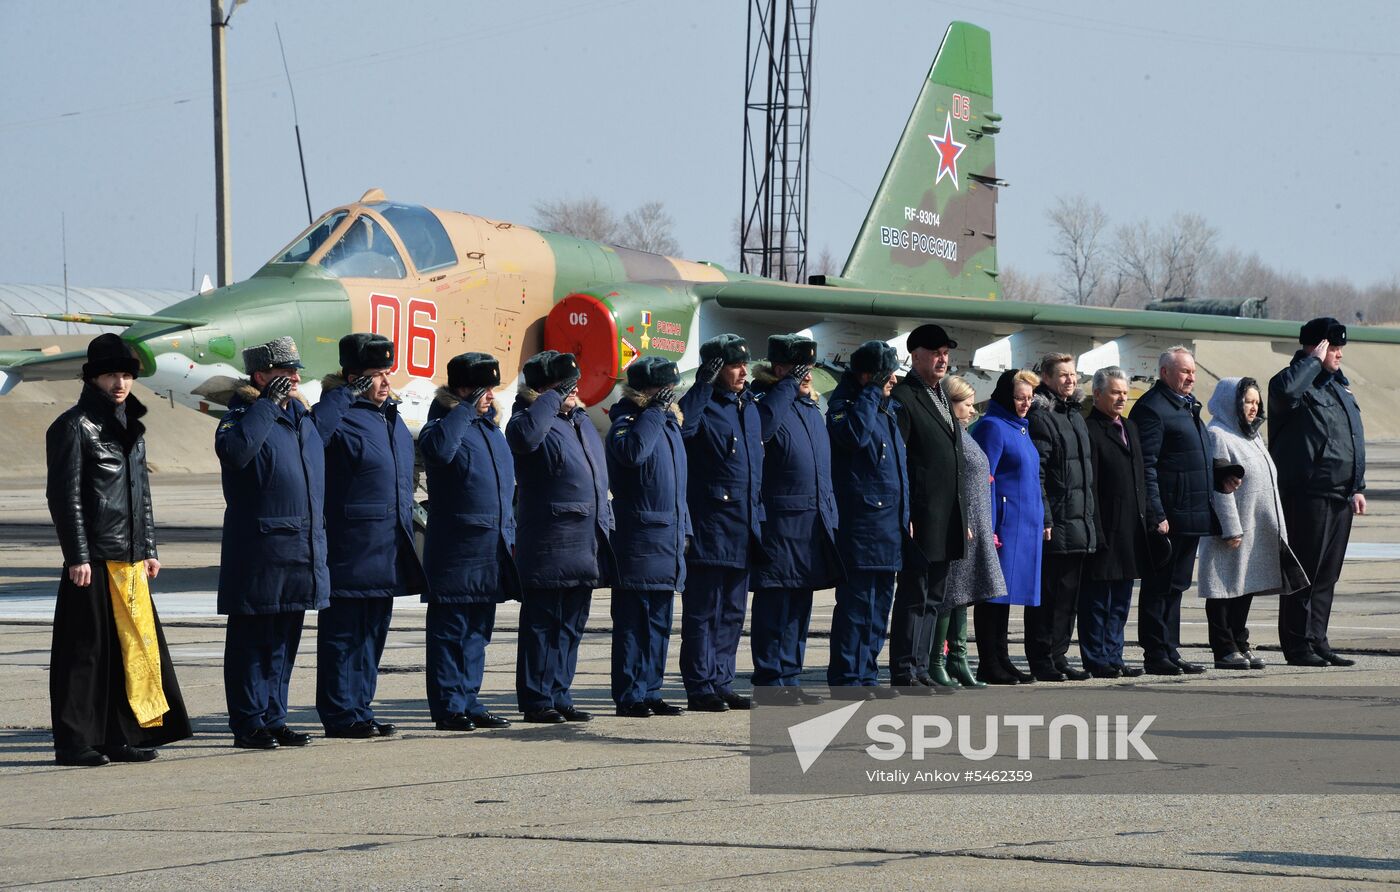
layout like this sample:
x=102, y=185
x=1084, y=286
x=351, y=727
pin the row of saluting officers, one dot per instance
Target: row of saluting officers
x=733, y=488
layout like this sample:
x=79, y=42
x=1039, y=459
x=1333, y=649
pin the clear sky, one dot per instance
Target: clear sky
x=1275, y=121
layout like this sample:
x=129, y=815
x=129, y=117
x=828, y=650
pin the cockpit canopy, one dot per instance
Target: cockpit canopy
x=361, y=245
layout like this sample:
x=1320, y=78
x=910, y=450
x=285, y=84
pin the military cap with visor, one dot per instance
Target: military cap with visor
x=929, y=336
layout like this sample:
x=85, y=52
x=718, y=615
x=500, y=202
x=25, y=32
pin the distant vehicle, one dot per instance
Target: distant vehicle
x=439, y=283
x=1245, y=308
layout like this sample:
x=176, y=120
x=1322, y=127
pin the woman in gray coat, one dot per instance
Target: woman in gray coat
x=1250, y=556
x=977, y=575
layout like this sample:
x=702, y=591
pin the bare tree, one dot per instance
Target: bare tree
x=1160, y=262
x=1079, y=226
x=1014, y=285
x=648, y=228
x=585, y=217
x=826, y=264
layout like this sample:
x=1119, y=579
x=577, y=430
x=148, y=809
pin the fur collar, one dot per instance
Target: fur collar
x=642, y=402
x=1045, y=398
x=245, y=391
x=449, y=401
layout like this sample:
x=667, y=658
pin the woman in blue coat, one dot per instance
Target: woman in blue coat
x=563, y=523
x=469, y=552
x=647, y=470
x=369, y=524
x=724, y=446
x=799, y=532
x=1018, y=520
x=871, y=483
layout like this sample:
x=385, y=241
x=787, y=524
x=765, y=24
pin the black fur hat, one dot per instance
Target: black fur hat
x=791, y=349
x=729, y=347
x=549, y=367
x=360, y=351
x=652, y=371
x=875, y=357
x=1315, y=331
x=473, y=370
x=109, y=353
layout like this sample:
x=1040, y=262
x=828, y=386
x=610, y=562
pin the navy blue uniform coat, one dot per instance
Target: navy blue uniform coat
x=564, y=519
x=799, y=532
x=1315, y=432
x=647, y=469
x=274, y=539
x=369, y=495
x=724, y=445
x=469, y=548
x=869, y=477
x=1177, y=463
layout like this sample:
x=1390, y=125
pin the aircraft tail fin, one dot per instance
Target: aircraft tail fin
x=932, y=226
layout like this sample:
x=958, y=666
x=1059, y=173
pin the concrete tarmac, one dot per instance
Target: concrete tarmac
x=615, y=803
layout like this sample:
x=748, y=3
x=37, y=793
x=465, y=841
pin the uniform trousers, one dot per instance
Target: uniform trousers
x=1227, y=624
x=259, y=653
x=1103, y=615
x=858, y=626
x=551, y=626
x=779, y=635
x=1050, y=624
x=1318, y=530
x=350, y=636
x=712, y=621
x=1159, y=601
x=641, y=639
x=456, y=650
x=917, y=603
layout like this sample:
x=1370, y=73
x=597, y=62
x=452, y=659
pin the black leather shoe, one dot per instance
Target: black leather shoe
x=1128, y=671
x=457, y=722
x=1072, y=673
x=1255, y=661
x=1308, y=659
x=1105, y=672
x=807, y=699
x=782, y=696
x=1049, y=675
x=879, y=693
x=707, y=703
x=1020, y=676
x=489, y=720
x=353, y=731
x=287, y=737
x=547, y=716
x=858, y=693
x=635, y=711
x=661, y=707
x=128, y=753
x=260, y=739
x=384, y=729
x=736, y=701
x=915, y=687
x=1189, y=668
x=1232, y=660
x=87, y=757
x=574, y=714
x=990, y=672
x=1161, y=667
x=1334, y=658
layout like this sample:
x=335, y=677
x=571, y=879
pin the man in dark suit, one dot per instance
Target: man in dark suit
x=933, y=446
x=1179, y=474
x=1120, y=494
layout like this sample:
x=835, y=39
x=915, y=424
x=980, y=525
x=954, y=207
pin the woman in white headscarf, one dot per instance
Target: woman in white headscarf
x=1250, y=556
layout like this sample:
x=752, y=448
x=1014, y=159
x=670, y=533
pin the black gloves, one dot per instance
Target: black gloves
x=566, y=387
x=277, y=389
x=473, y=398
x=360, y=386
x=706, y=373
x=664, y=398
x=799, y=372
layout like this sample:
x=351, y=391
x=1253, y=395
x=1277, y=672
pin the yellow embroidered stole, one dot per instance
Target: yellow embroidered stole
x=136, y=630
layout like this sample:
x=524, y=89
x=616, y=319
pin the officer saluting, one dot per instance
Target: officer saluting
x=273, y=564
x=647, y=470
x=564, y=524
x=872, y=491
x=724, y=445
x=468, y=554
x=799, y=532
x=369, y=520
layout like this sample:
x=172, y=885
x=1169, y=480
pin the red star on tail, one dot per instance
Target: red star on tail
x=948, y=151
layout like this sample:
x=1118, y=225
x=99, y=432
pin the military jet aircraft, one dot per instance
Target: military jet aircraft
x=439, y=283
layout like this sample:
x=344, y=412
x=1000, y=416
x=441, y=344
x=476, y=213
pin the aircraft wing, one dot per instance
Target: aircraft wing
x=1002, y=317
x=39, y=365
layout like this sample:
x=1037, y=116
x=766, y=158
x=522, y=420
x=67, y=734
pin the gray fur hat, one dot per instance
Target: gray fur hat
x=278, y=353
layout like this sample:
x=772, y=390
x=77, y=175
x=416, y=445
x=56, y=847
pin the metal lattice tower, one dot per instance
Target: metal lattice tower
x=777, y=115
